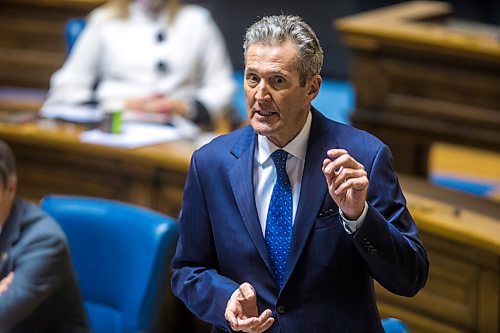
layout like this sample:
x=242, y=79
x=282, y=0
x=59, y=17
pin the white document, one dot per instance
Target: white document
x=76, y=114
x=132, y=136
x=139, y=129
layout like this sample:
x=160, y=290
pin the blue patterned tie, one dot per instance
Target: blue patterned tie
x=279, y=218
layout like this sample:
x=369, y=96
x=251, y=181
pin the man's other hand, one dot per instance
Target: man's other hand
x=242, y=313
x=347, y=182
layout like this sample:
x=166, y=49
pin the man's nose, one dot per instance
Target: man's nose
x=262, y=93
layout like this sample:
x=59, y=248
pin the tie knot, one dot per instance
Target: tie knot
x=279, y=158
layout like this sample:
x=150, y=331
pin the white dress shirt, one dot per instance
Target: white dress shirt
x=264, y=170
x=124, y=54
x=264, y=175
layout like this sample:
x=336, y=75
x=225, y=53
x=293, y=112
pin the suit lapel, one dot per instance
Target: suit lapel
x=313, y=188
x=241, y=178
x=312, y=195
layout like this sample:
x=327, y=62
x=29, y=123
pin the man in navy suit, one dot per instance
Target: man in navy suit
x=38, y=290
x=286, y=222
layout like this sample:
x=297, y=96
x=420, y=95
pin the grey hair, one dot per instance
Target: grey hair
x=7, y=163
x=277, y=29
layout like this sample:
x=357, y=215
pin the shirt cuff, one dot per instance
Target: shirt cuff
x=351, y=226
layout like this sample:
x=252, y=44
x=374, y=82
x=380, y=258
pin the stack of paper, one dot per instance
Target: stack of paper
x=132, y=136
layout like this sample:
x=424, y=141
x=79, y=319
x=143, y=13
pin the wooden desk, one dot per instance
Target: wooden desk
x=51, y=159
x=461, y=232
x=422, y=77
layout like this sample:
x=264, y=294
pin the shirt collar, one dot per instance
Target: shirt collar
x=297, y=147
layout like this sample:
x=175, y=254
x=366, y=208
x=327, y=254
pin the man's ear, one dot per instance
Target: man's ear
x=12, y=185
x=313, y=85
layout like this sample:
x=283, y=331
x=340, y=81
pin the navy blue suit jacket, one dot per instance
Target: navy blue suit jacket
x=328, y=284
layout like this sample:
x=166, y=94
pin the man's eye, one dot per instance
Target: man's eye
x=279, y=80
x=252, y=79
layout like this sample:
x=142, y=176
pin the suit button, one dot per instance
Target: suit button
x=281, y=309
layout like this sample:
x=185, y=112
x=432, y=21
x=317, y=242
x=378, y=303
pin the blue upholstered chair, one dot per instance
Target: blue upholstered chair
x=394, y=325
x=121, y=254
x=72, y=30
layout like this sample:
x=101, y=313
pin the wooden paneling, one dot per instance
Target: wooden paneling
x=31, y=38
x=460, y=293
x=461, y=234
x=51, y=159
x=420, y=79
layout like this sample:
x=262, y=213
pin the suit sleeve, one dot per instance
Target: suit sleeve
x=39, y=271
x=388, y=239
x=195, y=279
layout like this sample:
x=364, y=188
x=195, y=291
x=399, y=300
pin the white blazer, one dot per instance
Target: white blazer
x=129, y=60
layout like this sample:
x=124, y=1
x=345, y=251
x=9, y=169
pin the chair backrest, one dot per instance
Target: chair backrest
x=394, y=325
x=72, y=30
x=121, y=254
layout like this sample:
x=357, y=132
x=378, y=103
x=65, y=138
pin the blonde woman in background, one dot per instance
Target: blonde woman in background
x=158, y=56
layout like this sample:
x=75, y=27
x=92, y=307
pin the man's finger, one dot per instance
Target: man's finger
x=336, y=163
x=334, y=153
x=346, y=174
x=232, y=308
x=328, y=176
x=230, y=317
x=263, y=321
x=357, y=184
x=344, y=161
x=326, y=161
x=247, y=291
x=268, y=323
x=265, y=315
x=5, y=282
x=248, y=323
